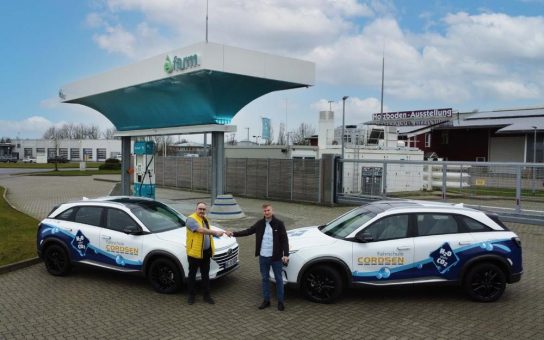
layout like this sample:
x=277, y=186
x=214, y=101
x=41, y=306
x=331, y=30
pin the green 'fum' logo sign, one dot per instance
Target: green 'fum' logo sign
x=180, y=64
x=168, y=66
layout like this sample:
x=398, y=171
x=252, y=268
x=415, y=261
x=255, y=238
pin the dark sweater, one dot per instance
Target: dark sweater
x=280, y=241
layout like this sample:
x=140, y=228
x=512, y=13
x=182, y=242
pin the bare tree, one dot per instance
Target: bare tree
x=161, y=142
x=299, y=135
x=281, y=135
x=109, y=133
x=232, y=139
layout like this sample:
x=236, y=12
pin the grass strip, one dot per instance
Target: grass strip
x=18, y=233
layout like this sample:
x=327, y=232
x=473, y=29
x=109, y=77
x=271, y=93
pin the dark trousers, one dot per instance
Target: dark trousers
x=204, y=265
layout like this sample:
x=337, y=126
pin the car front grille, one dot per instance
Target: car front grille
x=226, y=257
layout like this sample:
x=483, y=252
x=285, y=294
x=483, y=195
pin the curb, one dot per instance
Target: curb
x=19, y=265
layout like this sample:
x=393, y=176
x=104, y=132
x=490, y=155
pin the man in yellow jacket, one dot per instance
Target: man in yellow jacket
x=200, y=250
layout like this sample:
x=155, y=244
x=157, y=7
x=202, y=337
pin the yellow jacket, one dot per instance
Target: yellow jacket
x=195, y=240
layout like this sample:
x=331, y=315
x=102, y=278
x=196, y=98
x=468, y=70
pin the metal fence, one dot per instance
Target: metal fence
x=285, y=179
x=508, y=188
x=512, y=189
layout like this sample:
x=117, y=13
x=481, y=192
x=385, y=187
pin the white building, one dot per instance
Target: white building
x=72, y=149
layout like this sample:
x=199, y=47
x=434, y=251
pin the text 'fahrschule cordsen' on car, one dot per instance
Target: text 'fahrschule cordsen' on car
x=405, y=242
x=127, y=234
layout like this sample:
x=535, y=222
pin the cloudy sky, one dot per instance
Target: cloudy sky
x=467, y=55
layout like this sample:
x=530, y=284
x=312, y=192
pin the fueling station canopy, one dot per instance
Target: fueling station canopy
x=205, y=83
x=195, y=89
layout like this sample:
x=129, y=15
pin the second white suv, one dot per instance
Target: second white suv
x=405, y=242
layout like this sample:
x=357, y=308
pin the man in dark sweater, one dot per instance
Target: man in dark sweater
x=272, y=247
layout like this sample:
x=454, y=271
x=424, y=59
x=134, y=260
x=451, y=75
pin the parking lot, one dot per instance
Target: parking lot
x=91, y=303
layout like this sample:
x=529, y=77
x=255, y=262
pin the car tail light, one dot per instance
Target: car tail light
x=517, y=241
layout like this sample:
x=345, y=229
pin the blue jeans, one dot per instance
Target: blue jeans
x=277, y=266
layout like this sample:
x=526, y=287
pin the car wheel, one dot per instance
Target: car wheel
x=56, y=260
x=164, y=276
x=485, y=282
x=322, y=284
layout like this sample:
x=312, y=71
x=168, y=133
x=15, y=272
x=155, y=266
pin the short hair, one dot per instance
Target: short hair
x=201, y=203
x=266, y=205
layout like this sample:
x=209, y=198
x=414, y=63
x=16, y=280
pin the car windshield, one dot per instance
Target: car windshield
x=157, y=217
x=347, y=223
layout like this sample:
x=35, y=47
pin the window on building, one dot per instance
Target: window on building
x=40, y=151
x=63, y=152
x=51, y=152
x=74, y=153
x=100, y=154
x=27, y=152
x=87, y=154
x=445, y=137
x=428, y=140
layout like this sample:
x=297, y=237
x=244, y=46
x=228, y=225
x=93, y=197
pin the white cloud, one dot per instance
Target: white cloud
x=467, y=58
x=35, y=126
x=32, y=127
x=357, y=110
x=116, y=39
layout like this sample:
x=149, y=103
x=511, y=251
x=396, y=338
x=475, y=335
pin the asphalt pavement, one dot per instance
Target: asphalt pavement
x=92, y=303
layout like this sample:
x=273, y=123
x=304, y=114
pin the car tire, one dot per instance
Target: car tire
x=485, y=282
x=57, y=261
x=164, y=276
x=322, y=284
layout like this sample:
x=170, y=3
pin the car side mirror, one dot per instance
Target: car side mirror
x=364, y=237
x=132, y=230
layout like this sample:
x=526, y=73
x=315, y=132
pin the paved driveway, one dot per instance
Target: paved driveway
x=92, y=303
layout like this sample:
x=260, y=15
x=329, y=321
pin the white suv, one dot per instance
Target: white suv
x=405, y=242
x=128, y=234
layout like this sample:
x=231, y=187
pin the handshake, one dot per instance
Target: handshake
x=220, y=233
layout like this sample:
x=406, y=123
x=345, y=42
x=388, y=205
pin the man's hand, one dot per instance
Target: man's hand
x=218, y=233
x=285, y=259
x=229, y=233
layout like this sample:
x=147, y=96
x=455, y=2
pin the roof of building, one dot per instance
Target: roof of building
x=520, y=120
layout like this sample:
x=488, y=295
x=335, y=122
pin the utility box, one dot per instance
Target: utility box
x=144, y=169
x=371, y=181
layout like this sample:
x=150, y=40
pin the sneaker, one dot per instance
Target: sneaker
x=264, y=305
x=281, y=306
x=209, y=299
x=191, y=299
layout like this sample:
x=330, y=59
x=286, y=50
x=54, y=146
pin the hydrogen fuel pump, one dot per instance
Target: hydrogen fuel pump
x=144, y=172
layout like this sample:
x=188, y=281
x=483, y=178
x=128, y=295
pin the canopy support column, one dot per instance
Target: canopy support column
x=125, y=165
x=218, y=159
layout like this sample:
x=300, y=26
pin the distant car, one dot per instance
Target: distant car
x=405, y=243
x=57, y=159
x=29, y=160
x=126, y=234
x=8, y=159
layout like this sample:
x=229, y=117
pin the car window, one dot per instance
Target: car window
x=118, y=220
x=156, y=216
x=88, y=215
x=473, y=225
x=347, y=223
x=436, y=224
x=66, y=215
x=389, y=227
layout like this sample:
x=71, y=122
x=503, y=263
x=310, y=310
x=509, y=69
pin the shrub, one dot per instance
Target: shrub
x=110, y=164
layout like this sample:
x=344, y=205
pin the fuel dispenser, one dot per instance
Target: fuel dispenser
x=144, y=173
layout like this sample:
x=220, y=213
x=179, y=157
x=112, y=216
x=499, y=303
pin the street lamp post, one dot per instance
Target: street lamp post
x=534, y=159
x=343, y=121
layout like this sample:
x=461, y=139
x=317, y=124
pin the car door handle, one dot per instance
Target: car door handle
x=106, y=237
x=464, y=243
x=403, y=248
